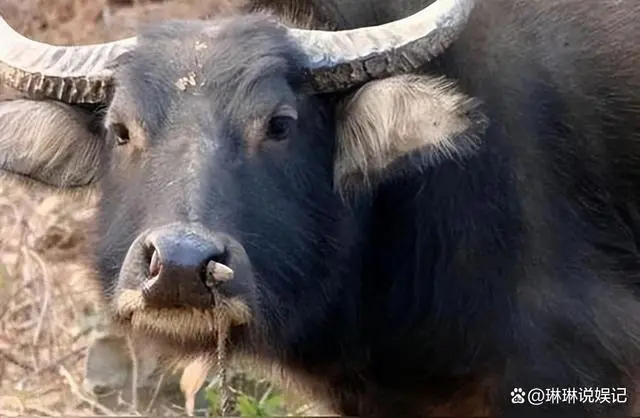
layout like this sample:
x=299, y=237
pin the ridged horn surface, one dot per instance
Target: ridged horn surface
x=339, y=60
x=71, y=74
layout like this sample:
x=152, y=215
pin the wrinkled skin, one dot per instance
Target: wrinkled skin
x=514, y=265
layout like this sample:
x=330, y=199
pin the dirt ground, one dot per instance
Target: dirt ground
x=83, y=21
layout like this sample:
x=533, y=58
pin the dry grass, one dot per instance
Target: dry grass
x=50, y=312
x=47, y=302
x=85, y=21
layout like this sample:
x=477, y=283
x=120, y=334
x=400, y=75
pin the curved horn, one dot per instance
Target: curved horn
x=342, y=59
x=71, y=74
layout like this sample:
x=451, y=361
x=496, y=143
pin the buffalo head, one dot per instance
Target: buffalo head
x=222, y=151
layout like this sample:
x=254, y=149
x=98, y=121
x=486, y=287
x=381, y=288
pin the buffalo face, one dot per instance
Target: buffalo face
x=215, y=158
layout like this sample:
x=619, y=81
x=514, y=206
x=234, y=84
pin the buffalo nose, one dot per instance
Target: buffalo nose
x=183, y=264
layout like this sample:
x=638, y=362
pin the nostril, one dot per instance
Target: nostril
x=177, y=267
x=154, y=265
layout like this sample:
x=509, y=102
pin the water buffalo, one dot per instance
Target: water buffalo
x=439, y=207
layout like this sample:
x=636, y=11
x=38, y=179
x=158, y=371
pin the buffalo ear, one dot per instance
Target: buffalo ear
x=49, y=144
x=391, y=118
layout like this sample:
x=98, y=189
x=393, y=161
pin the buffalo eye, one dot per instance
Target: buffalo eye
x=281, y=123
x=121, y=133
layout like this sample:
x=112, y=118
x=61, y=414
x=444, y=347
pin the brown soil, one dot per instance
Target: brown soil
x=70, y=21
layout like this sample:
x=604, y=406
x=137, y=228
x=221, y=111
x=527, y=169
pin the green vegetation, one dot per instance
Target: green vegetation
x=252, y=397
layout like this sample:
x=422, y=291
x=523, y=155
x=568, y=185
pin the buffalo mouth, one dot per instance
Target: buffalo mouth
x=195, y=338
x=184, y=328
x=181, y=283
x=131, y=308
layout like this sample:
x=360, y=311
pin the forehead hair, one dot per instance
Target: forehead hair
x=227, y=59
